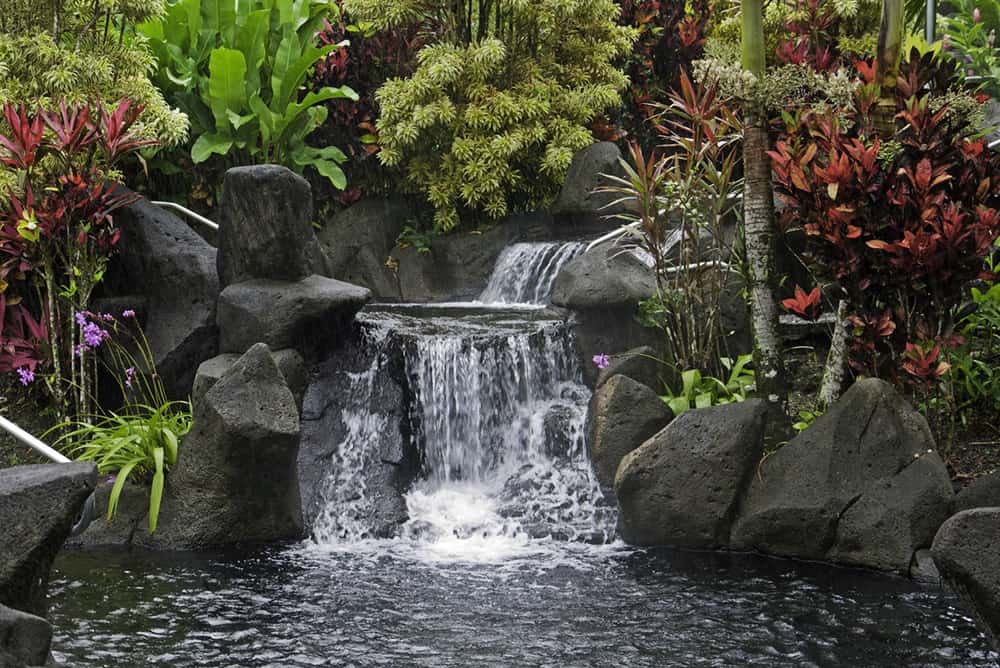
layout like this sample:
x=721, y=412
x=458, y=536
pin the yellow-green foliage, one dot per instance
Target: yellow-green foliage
x=86, y=51
x=490, y=120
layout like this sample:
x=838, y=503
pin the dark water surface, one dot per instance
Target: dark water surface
x=386, y=604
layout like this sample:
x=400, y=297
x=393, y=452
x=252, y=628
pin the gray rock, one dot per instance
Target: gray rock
x=578, y=198
x=895, y=517
x=131, y=516
x=306, y=315
x=640, y=364
x=24, y=639
x=38, y=506
x=359, y=240
x=682, y=487
x=623, y=415
x=983, y=492
x=871, y=449
x=166, y=272
x=603, y=277
x=967, y=553
x=289, y=361
x=610, y=331
x=265, y=231
x=235, y=480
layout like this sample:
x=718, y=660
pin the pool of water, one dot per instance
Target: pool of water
x=541, y=603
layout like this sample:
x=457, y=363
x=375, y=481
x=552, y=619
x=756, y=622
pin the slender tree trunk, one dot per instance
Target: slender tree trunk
x=890, y=43
x=758, y=229
x=836, y=360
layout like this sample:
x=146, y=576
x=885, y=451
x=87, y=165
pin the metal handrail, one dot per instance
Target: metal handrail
x=88, y=512
x=189, y=213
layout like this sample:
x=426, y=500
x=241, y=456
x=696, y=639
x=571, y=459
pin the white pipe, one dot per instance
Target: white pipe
x=189, y=213
x=32, y=442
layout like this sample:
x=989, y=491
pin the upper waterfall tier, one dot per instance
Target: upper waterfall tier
x=526, y=272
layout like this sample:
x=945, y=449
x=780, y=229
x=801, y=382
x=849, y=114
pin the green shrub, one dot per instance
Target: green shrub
x=698, y=391
x=498, y=106
x=87, y=52
x=237, y=70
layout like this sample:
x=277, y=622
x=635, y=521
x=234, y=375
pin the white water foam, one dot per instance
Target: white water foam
x=500, y=413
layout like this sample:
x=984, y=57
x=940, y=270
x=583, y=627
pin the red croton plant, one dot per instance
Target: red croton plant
x=57, y=230
x=903, y=221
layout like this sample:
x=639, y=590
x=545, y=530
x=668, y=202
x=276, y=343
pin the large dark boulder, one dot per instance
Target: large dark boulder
x=983, y=492
x=623, y=414
x=578, y=197
x=166, y=272
x=603, y=277
x=24, y=639
x=265, y=230
x=682, y=487
x=359, y=240
x=306, y=315
x=862, y=485
x=235, y=480
x=38, y=506
x=967, y=553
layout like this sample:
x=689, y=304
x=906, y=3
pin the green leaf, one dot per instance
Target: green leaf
x=678, y=405
x=332, y=172
x=156, y=490
x=219, y=16
x=703, y=400
x=690, y=379
x=116, y=490
x=209, y=144
x=251, y=40
x=227, y=73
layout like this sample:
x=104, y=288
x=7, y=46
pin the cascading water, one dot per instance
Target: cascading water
x=526, y=272
x=498, y=411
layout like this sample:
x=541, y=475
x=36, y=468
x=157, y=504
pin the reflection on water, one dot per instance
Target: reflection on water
x=558, y=604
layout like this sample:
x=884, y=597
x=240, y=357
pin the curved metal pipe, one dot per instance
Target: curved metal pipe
x=88, y=512
x=188, y=212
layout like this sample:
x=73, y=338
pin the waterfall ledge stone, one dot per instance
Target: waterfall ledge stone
x=306, y=315
x=24, y=639
x=682, y=486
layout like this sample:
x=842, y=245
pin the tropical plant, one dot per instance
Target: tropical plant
x=970, y=33
x=702, y=391
x=903, y=222
x=365, y=59
x=140, y=440
x=81, y=52
x=501, y=99
x=671, y=36
x=57, y=234
x=975, y=365
x=676, y=206
x=238, y=71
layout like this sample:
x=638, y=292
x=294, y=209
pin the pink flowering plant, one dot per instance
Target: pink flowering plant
x=57, y=233
x=139, y=441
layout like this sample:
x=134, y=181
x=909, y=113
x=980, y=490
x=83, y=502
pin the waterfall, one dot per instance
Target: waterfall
x=497, y=409
x=526, y=272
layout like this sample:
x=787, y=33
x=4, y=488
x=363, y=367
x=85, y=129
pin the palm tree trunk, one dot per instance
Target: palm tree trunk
x=758, y=229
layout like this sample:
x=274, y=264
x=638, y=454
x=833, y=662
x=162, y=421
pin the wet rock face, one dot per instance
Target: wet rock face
x=863, y=485
x=682, y=487
x=24, y=639
x=578, y=198
x=265, y=230
x=166, y=272
x=235, y=480
x=39, y=505
x=967, y=553
x=341, y=390
x=623, y=414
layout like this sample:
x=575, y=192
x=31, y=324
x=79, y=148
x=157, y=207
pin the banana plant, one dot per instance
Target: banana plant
x=238, y=70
